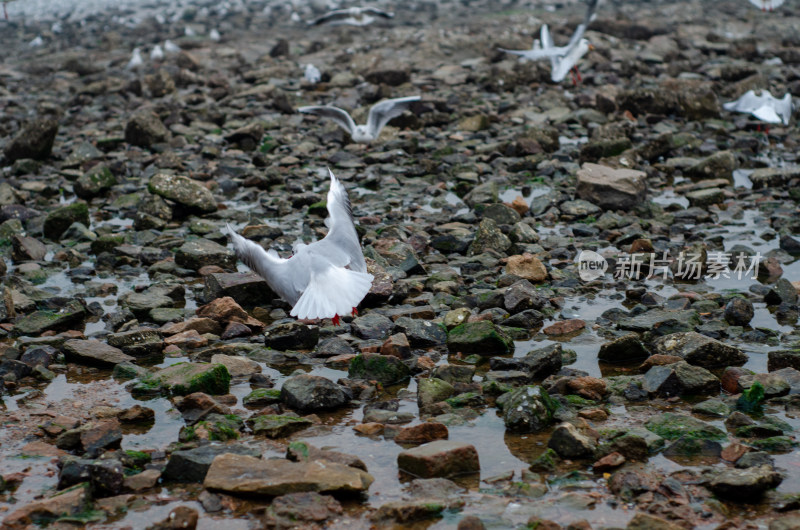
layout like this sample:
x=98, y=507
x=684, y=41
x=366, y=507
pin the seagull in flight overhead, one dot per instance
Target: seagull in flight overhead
x=767, y=5
x=325, y=279
x=353, y=16
x=562, y=58
x=765, y=106
x=379, y=115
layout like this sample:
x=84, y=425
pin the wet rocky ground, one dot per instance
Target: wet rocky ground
x=150, y=381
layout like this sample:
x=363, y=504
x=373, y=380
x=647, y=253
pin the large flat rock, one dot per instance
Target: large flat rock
x=252, y=476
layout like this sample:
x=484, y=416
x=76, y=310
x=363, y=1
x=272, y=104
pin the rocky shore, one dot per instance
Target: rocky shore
x=585, y=305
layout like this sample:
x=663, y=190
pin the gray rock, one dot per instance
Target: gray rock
x=94, y=352
x=145, y=129
x=522, y=296
x=143, y=342
x=614, y=189
x=489, y=237
x=34, y=141
x=247, y=289
x=421, y=333
x=386, y=369
x=311, y=393
x=699, y=350
x=661, y=322
x=719, y=165
x=200, y=252
x=95, y=182
x=739, y=311
x=745, y=484
x=60, y=219
x=782, y=292
x=625, y=349
x=187, y=192
x=569, y=442
x=680, y=379
x=192, y=465
x=528, y=409
x=372, y=326
x=291, y=336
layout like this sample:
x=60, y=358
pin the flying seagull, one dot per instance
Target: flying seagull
x=562, y=58
x=765, y=106
x=353, y=16
x=767, y=5
x=379, y=115
x=325, y=279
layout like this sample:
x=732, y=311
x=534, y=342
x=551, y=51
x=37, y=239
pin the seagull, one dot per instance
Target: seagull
x=767, y=5
x=156, y=54
x=170, y=47
x=765, y=107
x=353, y=16
x=379, y=116
x=35, y=43
x=312, y=74
x=214, y=35
x=562, y=58
x=136, y=60
x=325, y=279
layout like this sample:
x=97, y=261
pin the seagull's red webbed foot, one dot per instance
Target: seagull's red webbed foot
x=355, y=312
x=335, y=320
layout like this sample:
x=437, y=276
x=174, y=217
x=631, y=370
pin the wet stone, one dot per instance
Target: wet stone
x=305, y=508
x=439, y=459
x=291, y=336
x=483, y=338
x=34, y=141
x=191, y=465
x=143, y=342
x=420, y=333
x=680, y=379
x=372, y=326
x=60, y=219
x=202, y=252
x=569, y=442
x=385, y=369
x=145, y=129
x=310, y=393
x=625, y=349
x=247, y=289
x=672, y=426
x=278, y=426
x=743, y=484
x=187, y=378
x=277, y=477
x=614, y=189
x=528, y=409
x=94, y=352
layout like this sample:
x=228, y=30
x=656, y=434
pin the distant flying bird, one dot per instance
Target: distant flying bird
x=767, y=5
x=562, y=58
x=325, y=279
x=379, y=115
x=157, y=54
x=136, y=60
x=765, y=106
x=353, y=16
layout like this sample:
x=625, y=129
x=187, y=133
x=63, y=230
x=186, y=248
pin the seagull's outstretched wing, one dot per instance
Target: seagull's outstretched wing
x=283, y=278
x=767, y=113
x=784, y=107
x=341, y=117
x=377, y=12
x=591, y=13
x=341, y=245
x=382, y=112
x=749, y=102
x=564, y=64
x=330, y=16
x=548, y=47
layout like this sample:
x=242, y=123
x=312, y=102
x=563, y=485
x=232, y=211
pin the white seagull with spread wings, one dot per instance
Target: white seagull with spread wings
x=353, y=16
x=765, y=107
x=562, y=58
x=325, y=279
x=379, y=115
x=767, y=5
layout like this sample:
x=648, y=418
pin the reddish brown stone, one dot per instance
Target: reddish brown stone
x=187, y=339
x=210, y=269
x=595, y=414
x=608, y=462
x=397, y=346
x=368, y=429
x=225, y=310
x=564, y=327
x=734, y=452
x=442, y=458
x=422, y=433
x=588, y=387
x=730, y=379
x=658, y=360
x=520, y=205
x=201, y=325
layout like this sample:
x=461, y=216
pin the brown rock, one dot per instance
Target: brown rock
x=187, y=339
x=520, y=205
x=594, y=414
x=201, y=325
x=730, y=379
x=69, y=503
x=526, y=266
x=564, y=327
x=608, y=462
x=369, y=429
x=645, y=521
x=180, y=518
x=422, y=433
x=441, y=458
x=659, y=359
x=226, y=310
x=588, y=387
x=142, y=481
x=397, y=345
x=247, y=475
x=137, y=414
x=734, y=452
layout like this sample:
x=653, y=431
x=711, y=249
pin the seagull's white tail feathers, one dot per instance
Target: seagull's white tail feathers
x=334, y=291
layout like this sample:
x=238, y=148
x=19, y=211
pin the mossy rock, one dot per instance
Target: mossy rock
x=262, y=397
x=62, y=218
x=187, y=378
x=278, y=426
x=467, y=399
x=483, y=338
x=672, y=426
x=547, y=462
x=774, y=444
x=385, y=369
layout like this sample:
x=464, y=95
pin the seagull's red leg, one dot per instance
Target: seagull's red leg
x=578, y=73
x=574, y=81
x=335, y=320
x=355, y=312
x=766, y=129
